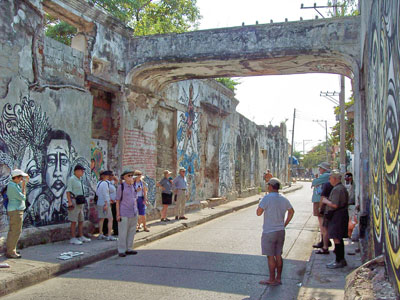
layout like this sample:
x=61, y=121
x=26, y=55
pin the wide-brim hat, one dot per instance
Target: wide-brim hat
x=138, y=173
x=182, y=169
x=128, y=172
x=167, y=172
x=18, y=172
x=325, y=165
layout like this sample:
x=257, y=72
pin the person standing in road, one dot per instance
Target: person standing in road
x=336, y=218
x=274, y=207
x=104, y=191
x=16, y=193
x=76, y=202
x=322, y=188
x=127, y=214
x=180, y=187
x=166, y=194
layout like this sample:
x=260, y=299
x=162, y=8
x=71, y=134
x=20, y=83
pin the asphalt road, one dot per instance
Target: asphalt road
x=217, y=260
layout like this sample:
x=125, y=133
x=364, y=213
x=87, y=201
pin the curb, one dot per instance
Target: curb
x=51, y=270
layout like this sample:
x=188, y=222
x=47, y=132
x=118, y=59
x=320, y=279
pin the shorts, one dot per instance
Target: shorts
x=76, y=214
x=141, y=207
x=166, y=198
x=104, y=214
x=272, y=243
x=316, y=212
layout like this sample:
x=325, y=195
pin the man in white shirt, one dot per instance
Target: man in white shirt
x=104, y=191
x=274, y=207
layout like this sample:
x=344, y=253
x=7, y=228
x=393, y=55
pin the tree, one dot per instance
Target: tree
x=154, y=17
x=59, y=30
x=344, y=8
x=315, y=156
x=228, y=82
x=349, y=134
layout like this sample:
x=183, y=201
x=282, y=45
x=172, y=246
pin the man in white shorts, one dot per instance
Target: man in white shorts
x=274, y=207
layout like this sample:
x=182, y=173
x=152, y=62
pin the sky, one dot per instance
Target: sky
x=272, y=99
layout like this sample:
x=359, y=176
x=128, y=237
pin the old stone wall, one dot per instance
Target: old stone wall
x=381, y=77
x=62, y=105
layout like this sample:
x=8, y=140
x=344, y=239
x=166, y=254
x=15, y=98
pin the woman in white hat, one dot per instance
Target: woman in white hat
x=16, y=194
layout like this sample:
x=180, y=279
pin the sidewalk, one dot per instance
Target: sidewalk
x=320, y=283
x=40, y=262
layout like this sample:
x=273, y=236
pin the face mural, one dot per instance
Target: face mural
x=57, y=166
x=28, y=142
x=383, y=100
x=188, y=138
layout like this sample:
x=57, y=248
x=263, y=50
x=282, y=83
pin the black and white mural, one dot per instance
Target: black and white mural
x=29, y=142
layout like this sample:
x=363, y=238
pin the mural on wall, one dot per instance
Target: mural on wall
x=188, y=138
x=225, y=165
x=98, y=160
x=28, y=142
x=152, y=190
x=383, y=101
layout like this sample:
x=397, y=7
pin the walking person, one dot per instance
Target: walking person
x=16, y=193
x=76, y=201
x=104, y=191
x=274, y=207
x=127, y=214
x=180, y=188
x=336, y=218
x=166, y=194
x=322, y=188
x=141, y=189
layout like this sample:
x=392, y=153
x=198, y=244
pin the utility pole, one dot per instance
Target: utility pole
x=326, y=137
x=342, y=127
x=291, y=151
x=342, y=107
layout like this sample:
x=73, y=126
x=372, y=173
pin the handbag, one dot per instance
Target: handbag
x=80, y=199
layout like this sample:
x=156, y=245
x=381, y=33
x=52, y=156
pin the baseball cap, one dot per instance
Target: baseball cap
x=79, y=167
x=18, y=172
x=275, y=182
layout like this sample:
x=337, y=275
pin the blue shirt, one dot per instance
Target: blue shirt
x=180, y=183
x=167, y=185
x=16, y=199
x=317, y=184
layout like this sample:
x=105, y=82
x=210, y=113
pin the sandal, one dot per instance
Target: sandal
x=322, y=251
x=267, y=282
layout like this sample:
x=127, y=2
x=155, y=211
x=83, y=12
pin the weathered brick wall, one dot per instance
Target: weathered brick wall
x=62, y=64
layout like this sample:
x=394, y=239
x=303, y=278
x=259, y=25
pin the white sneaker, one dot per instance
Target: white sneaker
x=75, y=241
x=101, y=237
x=111, y=238
x=84, y=239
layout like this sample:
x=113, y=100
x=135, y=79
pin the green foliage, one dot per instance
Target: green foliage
x=228, y=82
x=154, y=17
x=344, y=8
x=349, y=133
x=315, y=156
x=59, y=30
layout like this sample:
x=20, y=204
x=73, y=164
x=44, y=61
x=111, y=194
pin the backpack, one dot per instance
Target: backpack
x=95, y=194
x=5, y=197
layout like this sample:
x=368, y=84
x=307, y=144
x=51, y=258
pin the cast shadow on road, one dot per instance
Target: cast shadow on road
x=228, y=273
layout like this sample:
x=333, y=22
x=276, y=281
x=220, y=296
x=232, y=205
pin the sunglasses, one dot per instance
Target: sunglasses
x=131, y=175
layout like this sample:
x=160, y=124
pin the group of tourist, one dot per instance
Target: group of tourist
x=127, y=194
x=332, y=204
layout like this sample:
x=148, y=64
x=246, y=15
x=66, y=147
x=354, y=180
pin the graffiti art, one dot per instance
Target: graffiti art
x=188, y=138
x=383, y=100
x=28, y=142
